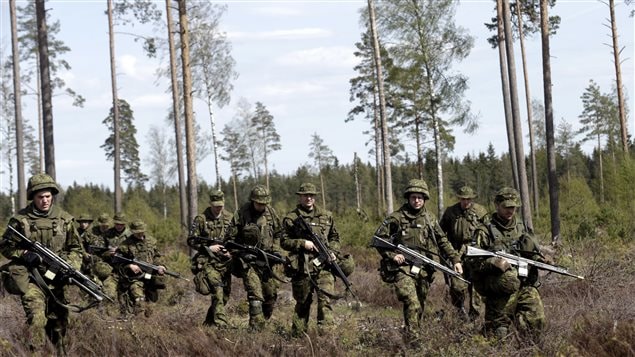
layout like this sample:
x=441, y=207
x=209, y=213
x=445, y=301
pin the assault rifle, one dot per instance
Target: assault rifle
x=58, y=268
x=414, y=258
x=147, y=268
x=248, y=252
x=522, y=263
x=96, y=249
x=325, y=256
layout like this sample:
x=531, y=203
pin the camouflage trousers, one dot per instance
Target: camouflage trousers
x=524, y=308
x=262, y=293
x=134, y=294
x=303, y=288
x=412, y=292
x=459, y=292
x=45, y=317
x=219, y=281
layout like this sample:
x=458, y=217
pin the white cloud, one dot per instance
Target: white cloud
x=295, y=88
x=131, y=66
x=292, y=34
x=151, y=100
x=277, y=11
x=339, y=56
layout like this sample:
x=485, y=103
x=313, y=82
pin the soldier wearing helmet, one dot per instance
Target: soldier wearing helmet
x=256, y=223
x=212, y=264
x=459, y=222
x=41, y=221
x=307, y=278
x=413, y=226
x=508, y=297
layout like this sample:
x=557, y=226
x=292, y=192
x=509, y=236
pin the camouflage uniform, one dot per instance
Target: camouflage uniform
x=305, y=276
x=135, y=291
x=262, y=230
x=55, y=229
x=215, y=267
x=419, y=230
x=98, y=237
x=119, y=232
x=460, y=224
x=508, y=297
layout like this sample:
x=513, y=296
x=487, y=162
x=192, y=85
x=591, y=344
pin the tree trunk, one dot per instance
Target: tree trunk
x=115, y=112
x=234, y=185
x=437, y=143
x=190, y=141
x=176, y=113
x=322, y=189
x=46, y=88
x=532, y=148
x=382, y=110
x=419, y=147
x=551, y=151
x=505, y=88
x=518, y=133
x=358, y=193
x=40, y=121
x=381, y=198
x=618, y=77
x=264, y=153
x=17, y=102
x=214, y=142
x=601, y=169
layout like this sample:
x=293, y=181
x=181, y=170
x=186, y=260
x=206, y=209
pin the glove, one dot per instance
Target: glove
x=501, y=264
x=32, y=259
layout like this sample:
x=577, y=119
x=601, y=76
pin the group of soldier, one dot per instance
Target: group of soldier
x=250, y=242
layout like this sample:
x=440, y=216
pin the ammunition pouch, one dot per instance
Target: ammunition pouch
x=15, y=278
x=201, y=284
x=347, y=264
x=388, y=270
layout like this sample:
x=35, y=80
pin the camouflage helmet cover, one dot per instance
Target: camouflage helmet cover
x=103, y=218
x=465, y=192
x=137, y=227
x=39, y=182
x=260, y=194
x=216, y=198
x=307, y=189
x=120, y=218
x=84, y=217
x=507, y=197
x=417, y=186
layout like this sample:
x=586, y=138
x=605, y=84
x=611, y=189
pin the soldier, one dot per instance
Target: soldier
x=97, y=239
x=135, y=288
x=256, y=223
x=305, y=276
x=118, y=232
x=413, y=226
x=213, y=263
x=42, y=221
x=459, y=222
x=507, y=296
x=83, y=223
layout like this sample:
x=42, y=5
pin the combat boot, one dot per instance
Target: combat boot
x=256, y=317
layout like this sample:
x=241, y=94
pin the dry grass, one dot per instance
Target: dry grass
x=594, y=317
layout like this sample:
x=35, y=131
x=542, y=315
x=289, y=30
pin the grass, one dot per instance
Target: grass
x=592, y=317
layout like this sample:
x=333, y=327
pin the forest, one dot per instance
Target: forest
x=578, y=203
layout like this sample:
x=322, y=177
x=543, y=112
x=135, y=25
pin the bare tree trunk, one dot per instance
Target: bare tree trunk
x=264, y=153
x=382, y=110
x=505, y=88
x=235, y=189
x=618, y=77
x=176, y=113
x=190, y=151
x=518, y=133
x=532, y=148
x=419, y=147
x=437, y=144
x=17, y=102
x=115, y=112
x=551, y=151
x=214, y=142
x=322, y=189
x=358, y=193
x=40, y=121
x=600, y=159
x=46, y=88
x=379, y=175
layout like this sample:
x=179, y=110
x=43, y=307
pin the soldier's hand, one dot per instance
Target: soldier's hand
x=134, y=268
x=308, y=245
x=31, y=259
x=399, y=259
x=501, y=264
x=161, y=270
x=216, y=248
x=458, y=268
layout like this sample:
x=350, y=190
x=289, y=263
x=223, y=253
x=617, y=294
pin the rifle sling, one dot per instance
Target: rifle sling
x=39, y=281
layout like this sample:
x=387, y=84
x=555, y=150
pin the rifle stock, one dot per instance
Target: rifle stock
x=522, y=263
x=56, y=266
x=416, y=259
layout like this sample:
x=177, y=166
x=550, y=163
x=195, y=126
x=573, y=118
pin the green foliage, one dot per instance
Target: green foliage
x=578, y=210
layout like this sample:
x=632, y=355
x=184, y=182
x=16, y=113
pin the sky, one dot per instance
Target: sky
x=296, y=57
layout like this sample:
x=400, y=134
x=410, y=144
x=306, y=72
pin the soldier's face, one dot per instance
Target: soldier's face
x=83, y=224
x=506, y=213
x=466, y=203
x=120, y=227
x=307, y=201
x=216, y=210
x=43, y=200
x=416, y=200
x=259, y=207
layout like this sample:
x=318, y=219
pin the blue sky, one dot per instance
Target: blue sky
x=296, y=58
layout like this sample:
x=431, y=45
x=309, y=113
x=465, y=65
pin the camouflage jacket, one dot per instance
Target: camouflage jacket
x=259, y=229
x=460, y=224
x=206, y=225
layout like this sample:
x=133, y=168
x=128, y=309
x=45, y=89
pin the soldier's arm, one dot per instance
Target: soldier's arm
x=73, y=246
x=444, y=244
x=8, y=246
x=388, y=227
x=289, y=240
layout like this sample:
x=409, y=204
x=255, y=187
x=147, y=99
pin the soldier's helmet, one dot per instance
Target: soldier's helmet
x=137, y=227
x=307, y=189
x=507, y=197
x=465, y=192
x=216, y=198
x=40, y=182
x=417, y=186
x=260, y=194
x=104, y=219
x=120, y=218
x=84, y=217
